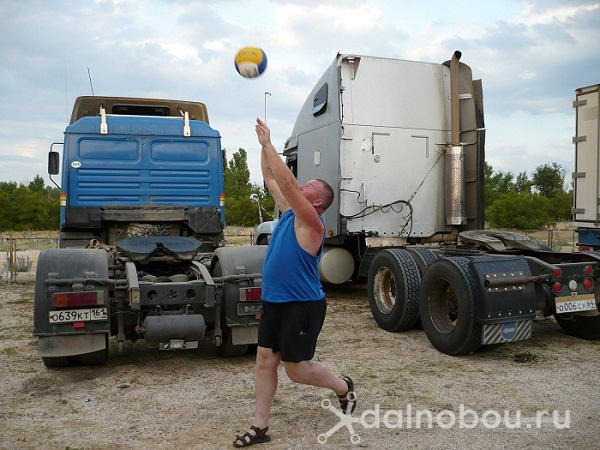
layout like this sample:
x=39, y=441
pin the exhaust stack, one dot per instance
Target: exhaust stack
x=455, y=162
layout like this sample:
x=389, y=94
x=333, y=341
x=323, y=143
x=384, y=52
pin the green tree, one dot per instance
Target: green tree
x=523, y=211
x=560, y=206
x=496, y=183
x=239, y=210
x=8, y=187
x=549, y=179
x=31, y=207
x=523, y=184
x=237, y=176
x=8, y=204
x=37, y=185
x=34, y=210
x=6, y=208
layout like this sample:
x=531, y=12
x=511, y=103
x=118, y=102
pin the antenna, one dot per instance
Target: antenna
x=66, y=90
x=90, y=77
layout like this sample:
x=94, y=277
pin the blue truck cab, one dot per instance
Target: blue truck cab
x=123, y=166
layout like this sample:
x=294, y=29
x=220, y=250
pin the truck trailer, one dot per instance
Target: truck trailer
x=403, y=143
x=586, y=179
x=142, y=253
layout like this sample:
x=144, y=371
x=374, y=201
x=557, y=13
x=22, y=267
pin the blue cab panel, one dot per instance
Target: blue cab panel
x=588, y=237
x=142, y=161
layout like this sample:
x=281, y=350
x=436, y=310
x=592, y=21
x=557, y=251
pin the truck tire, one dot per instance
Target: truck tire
x=580, y=326
x=447, y=307
x=423, y=257
x=393, y=287
x=58, y=361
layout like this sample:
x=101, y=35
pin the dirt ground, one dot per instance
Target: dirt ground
x=144, y=398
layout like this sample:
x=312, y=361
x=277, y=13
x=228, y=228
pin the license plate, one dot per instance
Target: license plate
x=78, y=315
x=575, y=303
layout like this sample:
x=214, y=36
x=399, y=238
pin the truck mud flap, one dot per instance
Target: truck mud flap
x=244, y=335
x=499, y=333
x=69, y=345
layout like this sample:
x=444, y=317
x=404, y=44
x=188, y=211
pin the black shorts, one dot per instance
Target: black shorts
x=292, y=328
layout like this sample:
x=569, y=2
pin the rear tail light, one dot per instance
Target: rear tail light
x=557, y=286
x=251, y=294
x=588, y=283
x=79, y=298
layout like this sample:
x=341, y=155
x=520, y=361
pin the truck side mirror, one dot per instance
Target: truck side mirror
x=53, y=163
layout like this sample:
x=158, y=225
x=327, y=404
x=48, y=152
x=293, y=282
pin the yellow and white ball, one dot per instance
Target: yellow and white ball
x=251, y=62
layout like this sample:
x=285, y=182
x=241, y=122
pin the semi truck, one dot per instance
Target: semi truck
x=586, y=178
x=403, y=143
x=142, y=251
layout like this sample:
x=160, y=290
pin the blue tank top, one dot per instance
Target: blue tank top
x=289, y=272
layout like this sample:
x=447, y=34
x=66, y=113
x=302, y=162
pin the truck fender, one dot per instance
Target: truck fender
x=59, y=270
x=234, y=332
x=64, y=264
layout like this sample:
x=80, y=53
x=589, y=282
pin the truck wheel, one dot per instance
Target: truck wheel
x=393, y=287
x=423, y=257
x=583, y=327
x=226, y=348
x=60, y=361
x=447, y=307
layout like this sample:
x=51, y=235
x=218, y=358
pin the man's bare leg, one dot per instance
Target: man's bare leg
x=314, y=374
x=265, y=386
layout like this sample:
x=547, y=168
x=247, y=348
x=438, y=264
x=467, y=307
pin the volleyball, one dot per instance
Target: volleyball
x=250, y=62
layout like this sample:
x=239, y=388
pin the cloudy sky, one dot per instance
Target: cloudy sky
x=530, y=54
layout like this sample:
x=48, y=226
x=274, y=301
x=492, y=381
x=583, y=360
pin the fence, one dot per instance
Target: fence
x=561, y=238
x=20, y=255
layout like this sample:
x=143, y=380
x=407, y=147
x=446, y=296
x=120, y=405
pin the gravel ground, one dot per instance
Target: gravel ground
x=145, y=398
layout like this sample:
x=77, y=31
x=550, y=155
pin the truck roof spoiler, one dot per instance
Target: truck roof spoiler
x=92, y=105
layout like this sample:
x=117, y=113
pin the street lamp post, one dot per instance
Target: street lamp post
x=266, y=93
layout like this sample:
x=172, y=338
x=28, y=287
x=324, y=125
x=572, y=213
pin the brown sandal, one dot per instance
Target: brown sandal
x=260, y=437
x=348, y=399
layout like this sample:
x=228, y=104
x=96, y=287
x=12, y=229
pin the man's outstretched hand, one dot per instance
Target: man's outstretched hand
x=263, y=132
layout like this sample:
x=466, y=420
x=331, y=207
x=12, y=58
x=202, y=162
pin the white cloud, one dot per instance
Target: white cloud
x=531, y=55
